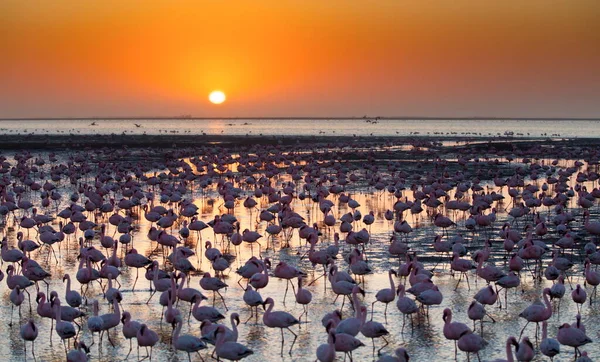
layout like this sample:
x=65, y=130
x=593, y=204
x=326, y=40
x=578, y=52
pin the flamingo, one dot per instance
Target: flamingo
x=203, y=312
x=130, y=329
x=524, y=351
x=29, y=332
x=215, y=284
x=471, y=343
x=95, y=322
x=78, y=353
x=186, y=342
x=209, y=330
x=303, y=297
x=344, y=342
x=572, y=337
x=137, y=261
x=537, y=312
x=405, y=305
x=510, y=341
x=111, y=320
x=232, y=351
x=549, y=346
x=401, y=356
x=72, y=297
x=326, y=351
x=579, y=296
x=65, y=330
x=592, y=278
x=453, y=330
x=372, y=329
x=146, y=338
x=281, y=320
x=386, y=296
x=252, y=298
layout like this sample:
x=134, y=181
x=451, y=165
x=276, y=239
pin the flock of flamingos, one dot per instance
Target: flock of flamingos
x=363, y=248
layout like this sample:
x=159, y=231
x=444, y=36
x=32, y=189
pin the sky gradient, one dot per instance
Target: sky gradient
x=534, y=58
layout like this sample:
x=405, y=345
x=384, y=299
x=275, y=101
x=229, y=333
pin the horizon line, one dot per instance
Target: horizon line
x=306, y=118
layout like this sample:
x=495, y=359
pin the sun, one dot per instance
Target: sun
x=217, y=97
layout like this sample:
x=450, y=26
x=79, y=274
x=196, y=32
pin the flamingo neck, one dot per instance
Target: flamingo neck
x=509, y=354
x=544, y=330
x=548, y=304
x=234, y=328
x=177, y=331
x=57, y=313
x=196, y=305
x=356, y=304
x=392, y=286
x=116, y=307
x=270, y=308
x=220, y=339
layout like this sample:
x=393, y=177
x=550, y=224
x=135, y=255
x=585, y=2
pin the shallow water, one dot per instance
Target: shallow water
x=308, y=127
x=424, y=342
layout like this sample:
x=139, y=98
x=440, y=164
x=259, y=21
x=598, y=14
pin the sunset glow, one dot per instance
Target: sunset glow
x=317, y=58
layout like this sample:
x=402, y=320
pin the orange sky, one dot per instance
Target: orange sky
x=534, y=58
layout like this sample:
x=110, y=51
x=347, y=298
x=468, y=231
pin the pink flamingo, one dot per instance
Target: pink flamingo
x=186, y=342
x=303, y=297
x=524, y=351
x=572, y=337
x=281, y=320
x=549, y=346
x=592, y=278
x=130, y=329
x=326, y=351
x=579, y=296
x=510, y=341
x=372, y=329
x=537, y=312
x=79, y=353
x=137, y=261
x=287, y=272
x=386, y=296
x=344, y=342
x=453, y=330
x=471, y=343
x=29, y=332
x=146, y=338
x=65, y=330
x=401, y=356
x=228, y=349
x=405, y=305
x=211, y=283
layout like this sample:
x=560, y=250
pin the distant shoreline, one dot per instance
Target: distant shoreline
x=301, y=118
x=48, y=142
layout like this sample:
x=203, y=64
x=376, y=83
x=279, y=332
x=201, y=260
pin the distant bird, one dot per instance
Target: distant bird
x=137, y=125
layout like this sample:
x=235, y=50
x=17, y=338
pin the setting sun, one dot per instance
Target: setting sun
x=217, y=97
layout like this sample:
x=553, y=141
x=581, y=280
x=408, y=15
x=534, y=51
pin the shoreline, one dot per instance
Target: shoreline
x=30, y=141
